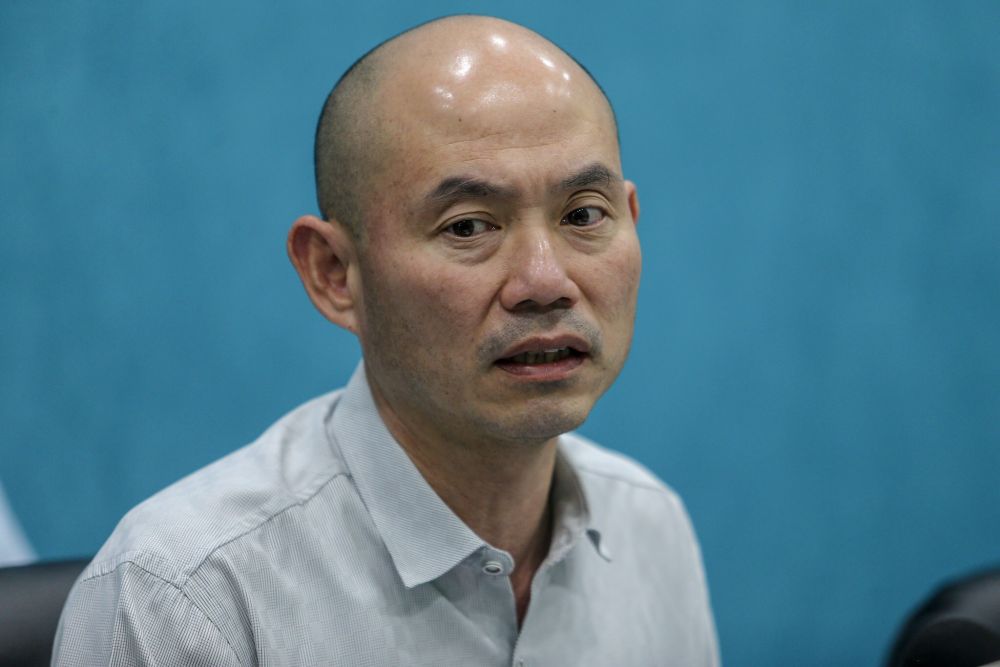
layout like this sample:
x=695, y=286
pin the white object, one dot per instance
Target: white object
x=14, y=546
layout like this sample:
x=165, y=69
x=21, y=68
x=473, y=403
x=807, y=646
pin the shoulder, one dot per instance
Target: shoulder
x=646, y=534
x=154, y=588
x=170, y=534
x=621, y=492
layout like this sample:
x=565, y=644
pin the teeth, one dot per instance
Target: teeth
x=543, y=357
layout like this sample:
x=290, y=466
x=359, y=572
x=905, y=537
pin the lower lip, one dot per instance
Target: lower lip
x=553, y=370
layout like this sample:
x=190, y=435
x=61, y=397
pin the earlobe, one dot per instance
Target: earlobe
x=633, y=200
x=323, y=255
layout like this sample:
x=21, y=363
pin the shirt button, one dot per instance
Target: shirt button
x=492, y=567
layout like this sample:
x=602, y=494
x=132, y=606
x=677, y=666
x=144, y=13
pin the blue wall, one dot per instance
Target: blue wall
x=816, y=366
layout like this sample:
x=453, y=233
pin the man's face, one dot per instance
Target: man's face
x=500, y=263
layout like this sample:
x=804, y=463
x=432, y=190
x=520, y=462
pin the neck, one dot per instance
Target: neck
x=501, y=495
x=499, y=489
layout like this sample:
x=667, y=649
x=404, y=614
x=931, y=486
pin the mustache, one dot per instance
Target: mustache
x=526, y=326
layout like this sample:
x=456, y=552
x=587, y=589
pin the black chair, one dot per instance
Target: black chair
x=31, y=598
x=958, y=626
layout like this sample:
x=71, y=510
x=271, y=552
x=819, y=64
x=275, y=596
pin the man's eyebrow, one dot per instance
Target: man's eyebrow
x=593, y=174
x=458, y=188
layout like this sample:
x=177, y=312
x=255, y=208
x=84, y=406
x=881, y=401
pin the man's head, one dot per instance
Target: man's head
x=480, y=239
x=348, y=138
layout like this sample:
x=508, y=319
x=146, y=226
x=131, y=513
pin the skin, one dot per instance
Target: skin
x=541, y=253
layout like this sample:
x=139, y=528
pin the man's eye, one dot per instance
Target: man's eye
x=469, y=227
x=582, y=217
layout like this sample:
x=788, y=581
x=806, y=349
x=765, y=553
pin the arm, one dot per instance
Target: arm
x=129, y=616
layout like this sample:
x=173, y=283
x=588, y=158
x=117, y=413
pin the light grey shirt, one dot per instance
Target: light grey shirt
x=321, y=544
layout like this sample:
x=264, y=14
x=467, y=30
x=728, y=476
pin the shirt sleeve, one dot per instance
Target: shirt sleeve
x=131, y=617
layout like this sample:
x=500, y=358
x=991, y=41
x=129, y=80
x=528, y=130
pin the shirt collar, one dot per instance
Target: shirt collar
x=425, y=539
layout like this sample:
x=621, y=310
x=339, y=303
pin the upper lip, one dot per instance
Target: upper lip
x=543, y=343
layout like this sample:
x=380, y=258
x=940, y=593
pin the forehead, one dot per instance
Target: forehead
x=536, y=123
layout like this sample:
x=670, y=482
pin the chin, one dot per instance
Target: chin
x=532, y=424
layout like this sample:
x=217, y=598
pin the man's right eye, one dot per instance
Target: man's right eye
x=469, y=227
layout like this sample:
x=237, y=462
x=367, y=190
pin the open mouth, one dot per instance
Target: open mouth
x=552, y=363
x=542, y=356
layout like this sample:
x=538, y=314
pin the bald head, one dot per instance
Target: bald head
x=471, y=69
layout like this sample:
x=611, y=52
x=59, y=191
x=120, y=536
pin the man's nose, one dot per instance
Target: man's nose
x=538, y=274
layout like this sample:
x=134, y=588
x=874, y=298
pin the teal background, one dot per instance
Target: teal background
x=816, y=362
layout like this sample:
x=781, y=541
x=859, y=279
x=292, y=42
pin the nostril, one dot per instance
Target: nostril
x=531, y=305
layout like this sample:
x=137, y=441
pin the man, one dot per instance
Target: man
x=478, y=238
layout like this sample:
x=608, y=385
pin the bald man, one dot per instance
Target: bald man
x=479, y=239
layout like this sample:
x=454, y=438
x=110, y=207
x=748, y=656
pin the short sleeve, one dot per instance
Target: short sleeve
x=131, y=617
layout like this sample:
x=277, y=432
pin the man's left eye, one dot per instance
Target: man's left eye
x=584, y=216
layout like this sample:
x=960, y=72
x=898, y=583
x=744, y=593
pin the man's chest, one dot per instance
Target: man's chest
x=578, y=615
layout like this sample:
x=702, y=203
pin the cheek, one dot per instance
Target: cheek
x=632, y=268
x=434, y=304
x=617, y=279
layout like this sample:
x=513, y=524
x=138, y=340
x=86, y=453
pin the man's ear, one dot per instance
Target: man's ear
x=633, y=200
x=324, y=255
